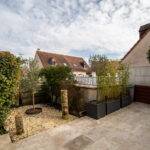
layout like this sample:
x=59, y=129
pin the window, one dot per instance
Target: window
x=65, y=64
x=74, y=65
x=82, y=64
x=52, y=61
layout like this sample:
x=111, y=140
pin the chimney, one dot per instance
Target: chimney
x=143, y=29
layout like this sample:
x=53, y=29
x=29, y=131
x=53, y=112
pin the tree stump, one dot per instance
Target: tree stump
x=19, y=124
x=64, y=104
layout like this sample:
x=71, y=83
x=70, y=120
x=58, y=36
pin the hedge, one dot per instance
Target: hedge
x=9, y=82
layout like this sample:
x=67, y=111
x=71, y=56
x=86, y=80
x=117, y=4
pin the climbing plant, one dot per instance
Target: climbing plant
x=9, y=82
x=148, y=55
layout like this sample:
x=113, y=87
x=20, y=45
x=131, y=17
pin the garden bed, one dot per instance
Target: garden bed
x=49, y=118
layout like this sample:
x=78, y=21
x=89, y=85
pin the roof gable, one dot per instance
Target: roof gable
x=63, y=59
x=137, y=57
x=136, y=44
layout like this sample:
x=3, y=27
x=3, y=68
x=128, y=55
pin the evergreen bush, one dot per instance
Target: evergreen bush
x=9, y=83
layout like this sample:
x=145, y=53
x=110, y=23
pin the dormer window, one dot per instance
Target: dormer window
x=75, y=65
x=83, y=64
x=52, y=61
x=65, y=64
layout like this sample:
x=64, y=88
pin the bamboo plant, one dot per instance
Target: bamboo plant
x=108, y=86
x=123, y=76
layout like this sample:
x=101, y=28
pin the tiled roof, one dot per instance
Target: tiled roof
x=72, y=62
x=116, y=62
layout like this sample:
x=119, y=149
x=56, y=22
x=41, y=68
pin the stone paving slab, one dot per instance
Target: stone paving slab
x=125, y=129
x=79, y=143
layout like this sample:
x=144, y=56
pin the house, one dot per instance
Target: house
x=77, y=64
x=139, y=65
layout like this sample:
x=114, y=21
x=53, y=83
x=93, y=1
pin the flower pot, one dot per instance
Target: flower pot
x=95, y=110
x=125, y=101
x=113, y=106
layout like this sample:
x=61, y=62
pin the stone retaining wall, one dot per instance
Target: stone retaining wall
x=89, y=92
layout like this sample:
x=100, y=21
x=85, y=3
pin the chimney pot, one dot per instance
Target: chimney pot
x=143, y=29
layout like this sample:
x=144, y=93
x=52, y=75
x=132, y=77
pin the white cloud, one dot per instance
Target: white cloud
x=108, y=27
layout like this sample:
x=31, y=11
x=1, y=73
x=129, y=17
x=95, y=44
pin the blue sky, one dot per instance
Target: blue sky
x=73, y=27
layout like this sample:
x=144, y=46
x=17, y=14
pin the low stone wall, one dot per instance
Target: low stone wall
x=89, y=92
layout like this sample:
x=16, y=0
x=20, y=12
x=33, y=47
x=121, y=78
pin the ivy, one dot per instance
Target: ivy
x=9, y=82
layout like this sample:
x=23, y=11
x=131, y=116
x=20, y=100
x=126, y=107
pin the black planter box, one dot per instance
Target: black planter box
x=96, y=111
x=113, y=106
x=125, y=101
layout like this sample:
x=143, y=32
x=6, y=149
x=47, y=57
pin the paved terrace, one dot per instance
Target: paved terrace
x=126, y=129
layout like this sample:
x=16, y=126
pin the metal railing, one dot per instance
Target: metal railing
x=86, y=80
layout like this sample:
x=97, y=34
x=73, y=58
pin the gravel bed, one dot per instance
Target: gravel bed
x=49, y=118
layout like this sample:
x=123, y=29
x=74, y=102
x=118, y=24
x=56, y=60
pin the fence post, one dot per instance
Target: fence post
x=64, y=104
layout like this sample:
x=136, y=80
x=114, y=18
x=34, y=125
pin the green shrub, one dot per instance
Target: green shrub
x=9, y=82
x=148, y=55
x=54, y=76
x=75, y=97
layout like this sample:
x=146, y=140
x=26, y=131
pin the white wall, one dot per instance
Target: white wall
x=140, y=75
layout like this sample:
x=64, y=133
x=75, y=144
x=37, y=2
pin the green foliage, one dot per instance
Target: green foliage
x=148, y=55
x=123, y=76
x=75, y=97
x=107, y=83
x=98, y=64
x=30, y=78
x=9, y=83
x=54, y=76
x=113, y=81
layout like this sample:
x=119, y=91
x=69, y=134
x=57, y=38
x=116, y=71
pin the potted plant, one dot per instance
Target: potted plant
x=97, y=108
x=123, y=75
x=113, y=90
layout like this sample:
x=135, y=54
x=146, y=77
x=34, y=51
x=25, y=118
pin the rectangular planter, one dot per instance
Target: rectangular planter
x=113, y=106
x=125, y=101
x=96, y=111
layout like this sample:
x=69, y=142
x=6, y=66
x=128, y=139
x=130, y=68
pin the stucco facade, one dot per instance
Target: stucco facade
x=79, y=73
x=137, y=57
x=139, y=65
x=38, y=60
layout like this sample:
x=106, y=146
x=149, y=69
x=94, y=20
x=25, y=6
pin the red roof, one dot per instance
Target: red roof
x=75, y=63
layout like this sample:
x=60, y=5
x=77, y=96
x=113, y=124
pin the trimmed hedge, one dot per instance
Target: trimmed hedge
x=9, y=83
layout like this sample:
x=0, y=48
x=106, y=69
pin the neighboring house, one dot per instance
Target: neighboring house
x=139, y=65
x=77, y=64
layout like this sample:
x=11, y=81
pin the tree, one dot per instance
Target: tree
x=54, y=76
x=30, y=78
x=148, y=55
x=98, y=64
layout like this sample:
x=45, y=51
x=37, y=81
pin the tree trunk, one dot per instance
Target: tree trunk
x=33, y=100
x=64, y=103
